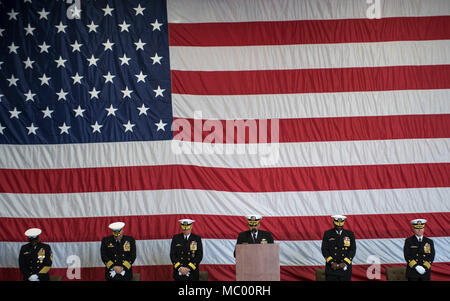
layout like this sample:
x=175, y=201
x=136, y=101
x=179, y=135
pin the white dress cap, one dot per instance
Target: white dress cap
x=33, y=232
x=186, y=220
x=253, y=217
x=117, y=226
x=338, y=217
x=418, y=221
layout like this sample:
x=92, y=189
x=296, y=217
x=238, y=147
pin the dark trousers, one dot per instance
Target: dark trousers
x=419, y=279
x=346, y=277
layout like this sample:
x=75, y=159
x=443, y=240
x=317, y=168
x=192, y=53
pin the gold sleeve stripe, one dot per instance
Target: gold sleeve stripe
x=109, y=264
x=44, y=270
x=176, y=265
x=427, y=264
x=192, y=265
x=347, y=260
x=126, y=264
x=329, y=259
x=412, y=263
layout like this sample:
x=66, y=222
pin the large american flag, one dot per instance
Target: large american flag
x=114, y=110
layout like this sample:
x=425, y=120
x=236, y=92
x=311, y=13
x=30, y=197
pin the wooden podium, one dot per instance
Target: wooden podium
x=258, y=262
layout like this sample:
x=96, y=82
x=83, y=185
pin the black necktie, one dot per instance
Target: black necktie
x=254, y=237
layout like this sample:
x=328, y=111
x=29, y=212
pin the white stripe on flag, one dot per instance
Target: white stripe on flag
x=283, y=57
x=200, y=11
x=211, y=202
x=312, y=105
x=340, y=153
x=220, y=251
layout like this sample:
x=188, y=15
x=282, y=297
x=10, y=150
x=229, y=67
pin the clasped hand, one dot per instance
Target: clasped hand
x=337, y=266
x=184, y=271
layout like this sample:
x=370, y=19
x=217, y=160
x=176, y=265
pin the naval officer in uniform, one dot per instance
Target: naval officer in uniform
x=254, y=235
x=338, y=249
x=118, y=253
x=419, y=253
x=186, y=253
x=35, y=257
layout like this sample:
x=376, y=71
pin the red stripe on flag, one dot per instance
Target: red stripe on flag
x=309, y=31
x=310, y=80
x=322, y=129
x=145, y=227
x=389, y=176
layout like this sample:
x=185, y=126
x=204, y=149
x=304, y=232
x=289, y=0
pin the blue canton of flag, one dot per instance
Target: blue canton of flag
x=84, y=71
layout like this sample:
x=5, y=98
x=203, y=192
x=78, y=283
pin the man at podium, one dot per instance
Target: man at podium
x=253, y=235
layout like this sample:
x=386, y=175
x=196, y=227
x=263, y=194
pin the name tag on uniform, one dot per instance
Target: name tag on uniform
x=415, y=247
x=331, y=238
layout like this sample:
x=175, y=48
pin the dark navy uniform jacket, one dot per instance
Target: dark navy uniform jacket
x=418, y=253
x=247, y=238
x=186, y=253
x=118, y=253
x=339, y=249
x=35, y=260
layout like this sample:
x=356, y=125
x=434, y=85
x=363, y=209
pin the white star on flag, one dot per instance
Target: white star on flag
x=96, y=127
x=12, y=81
x=64, y=128
x=128, y=126
x=32, y=129
x=160, y=125
x=13, y=48
x=60, y=62
x=76, y=46
x=159, y=92
x=126, y=92
x=77, y=78
x=30, y=96
x=47, y=112
x=141, y=77
x=79, y=111
x=92, y=27
x=139, y=10
x=108, y=45
x=94, y=93
x=124, y=59
x=14, y=113
x=107, y=10
x=124, y=26
x=44, y=47
x=29, y=30
x=61, y=94
x=143, y=110
x=43, y=14
x=156, y=25
x=111, y=110
x=109, y=77
x=156, y=59
x=44, y=79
